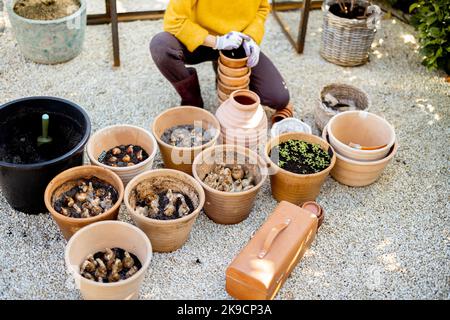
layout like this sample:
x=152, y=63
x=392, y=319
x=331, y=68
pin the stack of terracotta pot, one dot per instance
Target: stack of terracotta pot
x=233, y=74
x=364, y=144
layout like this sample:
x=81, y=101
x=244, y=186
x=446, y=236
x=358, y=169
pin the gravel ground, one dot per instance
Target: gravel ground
x=386, y=241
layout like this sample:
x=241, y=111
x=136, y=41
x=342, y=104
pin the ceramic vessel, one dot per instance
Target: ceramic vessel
x=234, y=81
x=289, y=125
x=166, y=235
x=293, y=187
x=362, y=128
x=232, y=63
x=233, y=72
x=23, y=184
x=243, y=120
x=279, y=115
x=68, y=225
x=177, y=157
x=359, y=173
x=229, y=207
x=222, y=96
x=116, y=135
x=49, y=41
x=108, y=234
x=229, y=89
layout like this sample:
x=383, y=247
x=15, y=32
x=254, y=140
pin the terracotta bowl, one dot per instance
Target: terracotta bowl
x=68, y=225
x=229, y=207
x=123, y=134
x=177, y=157
x=234, y=81
x=166, y=235
x=359, y=173
x=222, y=96
x=293, y=187
x=230, y=89
x=233, y=63
x=233, y=72
x=363, y=128
x=108, y=234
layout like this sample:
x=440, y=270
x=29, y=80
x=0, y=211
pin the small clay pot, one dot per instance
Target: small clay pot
x=363, y=128
x=112, y=136
x=234, y=81
x=167, y=235
x=293, y=187
x=222, y=96
x=229, y=207
x=108, y=234
x=68, y=225
x=177, y=157
x=359, y=173
x=233, y=63
x=233, y=72
x=287, y=112
x=230, y=89
x=315, y=208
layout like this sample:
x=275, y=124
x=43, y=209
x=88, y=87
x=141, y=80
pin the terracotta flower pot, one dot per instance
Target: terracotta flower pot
x=293, y=187
x=233, y=72
x=230, y=89
x=112, y=136
x=97, y=237
x=229, y=207
x=222, y=96
x=233, y=63
x=166, y=235
x=68, y=225
x=359, y=173
x=287, y=112
x=243, y=120
x=363, y=128
x=177, y=157
x=234, y=81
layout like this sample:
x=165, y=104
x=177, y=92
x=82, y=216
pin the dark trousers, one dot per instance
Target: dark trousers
x=171, y=57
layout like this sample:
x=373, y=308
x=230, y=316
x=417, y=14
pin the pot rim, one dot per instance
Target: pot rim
x=74, y=150
x=232, y=69
x=222, y=56
x=123, y=169
x=237, y=149
x=392, y=151
x=214, y=122
x=222, y=75
x=300, y=135
x=162, y=172
x=220, y=83
x=11, y=4
x=245, y=107
x=85, y=229
x=366, y=152
x=48, y=196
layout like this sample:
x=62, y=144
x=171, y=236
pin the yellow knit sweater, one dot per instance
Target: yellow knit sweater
x=192, y=20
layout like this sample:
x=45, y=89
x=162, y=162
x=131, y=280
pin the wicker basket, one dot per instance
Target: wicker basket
x=341, y=92
x=346, y=42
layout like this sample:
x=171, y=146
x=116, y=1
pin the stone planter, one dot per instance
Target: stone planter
x=49, y=41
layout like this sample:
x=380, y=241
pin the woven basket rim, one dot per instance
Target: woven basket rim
x=341, y=84
x=325, y=8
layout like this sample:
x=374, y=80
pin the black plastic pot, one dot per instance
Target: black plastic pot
x=25, y=168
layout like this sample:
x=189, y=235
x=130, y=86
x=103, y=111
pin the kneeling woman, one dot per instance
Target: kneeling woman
x=195, y=31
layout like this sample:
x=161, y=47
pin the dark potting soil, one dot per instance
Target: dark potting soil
x=163, y=202
x=300, y=157
x=88, y=198
x=46, y=9
x=357, y=12
x=238, y=53
x=126, y=271
x=187, y=136
x=18, y=141
x=123, y=156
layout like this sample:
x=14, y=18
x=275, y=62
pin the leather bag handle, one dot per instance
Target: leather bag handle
x=272, y=236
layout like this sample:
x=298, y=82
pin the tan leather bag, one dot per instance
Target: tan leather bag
x=261, y=268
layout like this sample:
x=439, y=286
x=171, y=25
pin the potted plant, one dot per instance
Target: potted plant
x=83, y=195
x=26, y=166
x=182, y=133
x=108, y=260
x=349, y=27
x=232, y=177
x=164, y=203
x=48, y=31
x=299, y=163
x=124, y=149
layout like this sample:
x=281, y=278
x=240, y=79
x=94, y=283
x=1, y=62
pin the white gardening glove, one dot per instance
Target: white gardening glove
x=232, y=40
x=252, y=50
